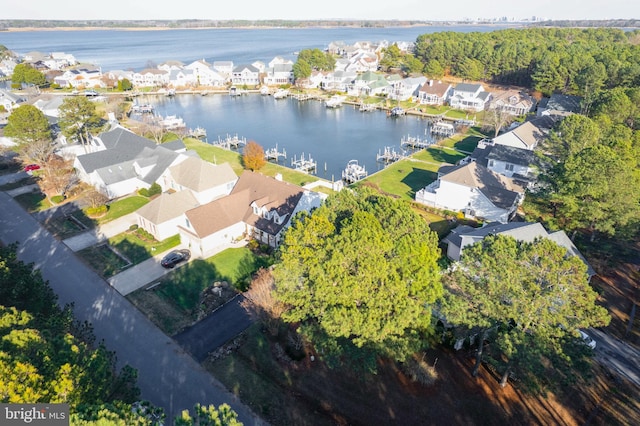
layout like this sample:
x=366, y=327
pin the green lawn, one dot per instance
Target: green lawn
x=464, y=142
x=138, y=247
x=184, y=285
x=407, y=176
x=33, y=201
x=123, y=207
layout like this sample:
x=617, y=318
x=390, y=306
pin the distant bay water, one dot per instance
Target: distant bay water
x=124, y=49
x=332, y=137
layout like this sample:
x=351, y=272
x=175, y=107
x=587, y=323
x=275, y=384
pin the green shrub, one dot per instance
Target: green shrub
x=133, y=227
x=155, y=189
x=57, y=199
x=144, y=192
x=96, y=211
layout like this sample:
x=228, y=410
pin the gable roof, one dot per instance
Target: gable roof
x=437, y=88
x=464, y=236
x=199, y=175
x=528, y=133
x=251, y=189
x=468, y=87
x=168, y=206
x=502, y=191
x=509, y=154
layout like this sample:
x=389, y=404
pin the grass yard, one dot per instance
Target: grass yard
x=139, y=246
x=123, y=207
x=33, y=201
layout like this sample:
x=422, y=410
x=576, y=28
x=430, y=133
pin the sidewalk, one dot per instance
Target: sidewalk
x=101, y=233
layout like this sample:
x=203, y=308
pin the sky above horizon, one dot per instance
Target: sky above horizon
x=327, y=9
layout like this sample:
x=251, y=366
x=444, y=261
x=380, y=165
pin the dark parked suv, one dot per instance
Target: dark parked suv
x=175, y=257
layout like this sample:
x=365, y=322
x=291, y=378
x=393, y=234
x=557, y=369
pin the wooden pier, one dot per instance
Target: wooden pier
x=274, y=154
x=367, y=107
x=415, y=142
x=306, y=165
x=389, y=155
x=230, y=142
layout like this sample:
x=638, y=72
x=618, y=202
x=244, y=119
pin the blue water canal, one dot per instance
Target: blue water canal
x=331, y=136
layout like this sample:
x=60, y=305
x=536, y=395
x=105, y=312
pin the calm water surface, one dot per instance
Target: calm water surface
x=331, y=136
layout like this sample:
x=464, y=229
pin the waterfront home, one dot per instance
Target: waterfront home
x=434, y=93
x=469, y=96
x=512, y=102
x=516, y=163
x=80, y=78
x=169, y=66
x=150, y=77
x=369, y=84
x=245, y=75
x=464, y=236
x=526, y=136
x=339, y=81
x=119, y=162
x=279, y=60
x=161, y=216
x=473, y=190
x=182, y=78
x=258, y=207
x=224, y=68
x=405, y=88
x=278, y=74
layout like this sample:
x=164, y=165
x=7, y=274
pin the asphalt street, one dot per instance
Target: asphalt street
x=167, y=375
x=617, y=355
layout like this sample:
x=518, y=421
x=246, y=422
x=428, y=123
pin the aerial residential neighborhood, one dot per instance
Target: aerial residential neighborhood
x=486, y=265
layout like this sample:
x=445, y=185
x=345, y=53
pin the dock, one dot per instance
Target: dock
x=230, y=142
x=198, y=133
x=367, y=107
x=306, y=165
x=442, y=129
x=142, y=109
x=353, y=172
x=389, y=155
x=415, y=142
x=303, y=96
x=274, y=154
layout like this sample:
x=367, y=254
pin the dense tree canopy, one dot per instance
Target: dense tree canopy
x=317, y=59
x=528, y=299
x=359, y=274
x=25, y=73
x=28, y=125
x=569, y=60
x=44, y=355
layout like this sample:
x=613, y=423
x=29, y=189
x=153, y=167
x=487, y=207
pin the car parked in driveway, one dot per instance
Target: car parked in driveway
x=174, y=257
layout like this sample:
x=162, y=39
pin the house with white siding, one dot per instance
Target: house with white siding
x=150, y=77
x=468, y=96
x=245, y=75
x=526, y=136
x=279, y=73
x=434, y=93
x=512, y=102
x=406, y=88
x=475, y=191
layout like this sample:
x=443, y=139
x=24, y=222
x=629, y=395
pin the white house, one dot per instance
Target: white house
x=245, y=74
x=161, y=216
x=258, y=206
x=279, y=74
x=10, y=100
x=434, y=93
x=526, y=136
x=406, y=88
x=205, y=180
x=512, y=102
x=473, y=190
x=468, y=96
x=150, y=77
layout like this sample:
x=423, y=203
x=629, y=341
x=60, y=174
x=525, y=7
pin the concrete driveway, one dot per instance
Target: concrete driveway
x=167, y=375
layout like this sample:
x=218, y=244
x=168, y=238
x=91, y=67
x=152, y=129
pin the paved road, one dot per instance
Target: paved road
x=168, y=376
x=215, y=330
x=618, y=356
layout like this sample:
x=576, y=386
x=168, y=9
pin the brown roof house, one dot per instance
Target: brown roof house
x=185, y=186
x=434, y=93
x=258, y=207
x=475, y=191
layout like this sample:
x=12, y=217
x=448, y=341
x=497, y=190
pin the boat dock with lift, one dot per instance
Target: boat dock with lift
x=302, y=164
x=353, y=172
x=230, y=142
x=389, y=155
x=274, y=154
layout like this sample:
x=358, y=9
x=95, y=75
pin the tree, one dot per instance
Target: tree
x=301, y=69
x=359, y=275
x=78, y=118
x=253, y=156
x=25, y=73
x=529, y=296
x=28, y=125
x=260, y=299
x=209, y=416
x=498, y=118
x=124, y=85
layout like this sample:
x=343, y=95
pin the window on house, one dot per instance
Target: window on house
x=509, y=167
x=490, y=163
x=187, y=222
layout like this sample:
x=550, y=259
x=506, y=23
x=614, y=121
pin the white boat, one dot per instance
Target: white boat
x=281, y=94
x=264, y=90
x=172, y=122
x=353, y=172
x=335, y=101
